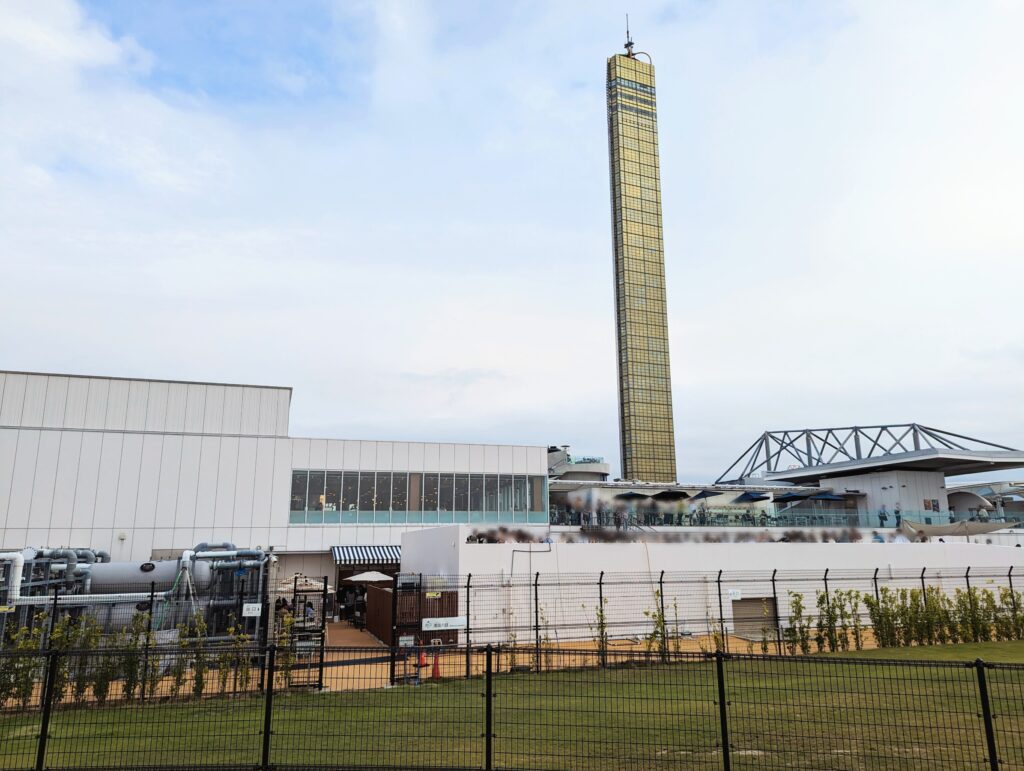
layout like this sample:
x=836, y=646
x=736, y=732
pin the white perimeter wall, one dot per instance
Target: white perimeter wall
x=502, y=608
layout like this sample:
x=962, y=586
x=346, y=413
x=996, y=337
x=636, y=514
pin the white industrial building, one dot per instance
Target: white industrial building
x=145, y=468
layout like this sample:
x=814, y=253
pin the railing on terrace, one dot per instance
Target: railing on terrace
x=568, y=709
x=742, y=517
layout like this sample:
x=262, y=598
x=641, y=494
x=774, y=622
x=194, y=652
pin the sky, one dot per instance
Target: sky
x=400, y=209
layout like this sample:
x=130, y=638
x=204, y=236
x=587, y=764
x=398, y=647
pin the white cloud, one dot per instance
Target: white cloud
x=431, y=258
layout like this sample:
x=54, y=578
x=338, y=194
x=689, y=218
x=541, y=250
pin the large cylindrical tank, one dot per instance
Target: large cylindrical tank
x=113, y=577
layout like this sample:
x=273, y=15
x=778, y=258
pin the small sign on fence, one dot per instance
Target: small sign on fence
x=438, y=624
x=735, y=594
x=6, y=608
x=252, y=609
x=433, y=595
x=407, y=641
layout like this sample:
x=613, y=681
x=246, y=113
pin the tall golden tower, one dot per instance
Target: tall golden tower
x=645, y=382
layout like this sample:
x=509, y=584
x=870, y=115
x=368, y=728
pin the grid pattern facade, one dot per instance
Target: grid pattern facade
x=645, y=384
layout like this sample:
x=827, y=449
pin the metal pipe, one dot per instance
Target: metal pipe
x=232, y=554
x=102, y=555
x=235, y=564
x=204, y=546
x=74, y=600
x=17, y=560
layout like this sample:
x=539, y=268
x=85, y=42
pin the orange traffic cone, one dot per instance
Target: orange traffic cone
x=435, y=673
x=423, y=659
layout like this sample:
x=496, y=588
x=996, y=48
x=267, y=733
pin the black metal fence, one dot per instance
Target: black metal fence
x=238, y=707
x=735, y=611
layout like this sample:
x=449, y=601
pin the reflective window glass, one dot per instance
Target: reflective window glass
x=299, y=479
x=332, y=491
x=398, y=492
x=519, y=493
x=383, y=491
x=504, y=493
x=430, y=494
x=446, y=497
x=366, y=492
x=476, y=492
x=461, y=492
x=350, y=491
x=315, y=496
x=491, y=493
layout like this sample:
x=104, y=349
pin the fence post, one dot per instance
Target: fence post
x=47, y=699
x=986, y=714
x=53, y=617
x=323, y=635
x=469, y=644
x=778, y=624
x=970, y=599
x=488, y=712
x=721, y=613
x=602, y=627
x=924, y=608
x=664, y=622
x=268, y=706
x=874, y=581
x=1013, y=594
x=394, y=629
x=536, y=619
x=828, y=601
x=149, y=637
x=723, y=712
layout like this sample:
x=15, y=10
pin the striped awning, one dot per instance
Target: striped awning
x=367, y=555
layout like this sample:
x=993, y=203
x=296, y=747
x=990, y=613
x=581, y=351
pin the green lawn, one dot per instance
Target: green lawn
x=810, y=713
x=995, y=652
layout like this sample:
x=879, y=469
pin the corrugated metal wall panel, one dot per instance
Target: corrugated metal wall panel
x=281, y=495
x=250, y=422
x=195, y=407
x=67, y=476
x=167, y=492
x=138, y=401
x=3, y=381
x=20, y=496
x=226, y=472
x=268, y=411
x=35, y=400
x=86, y=480
x=156, y=407
x=283, y=410
x=8, y=452
x=206, y=492
x=106, y=480
x=177, y=398
x=213, y=415
x=56, y=402
x=117, y=405
x=263, y=483
x=44, y=478
x=13, y=400
x=245, y=480
x=77, y=403
x=149, y=481
x=188, y=482
x=96, y=404
x=128, y=482
x=233, y=410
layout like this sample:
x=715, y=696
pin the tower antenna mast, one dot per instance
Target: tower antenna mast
x=629, y=40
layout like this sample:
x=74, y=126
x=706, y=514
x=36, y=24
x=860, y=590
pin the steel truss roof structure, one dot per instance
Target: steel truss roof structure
x=788, y=453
